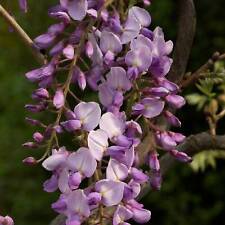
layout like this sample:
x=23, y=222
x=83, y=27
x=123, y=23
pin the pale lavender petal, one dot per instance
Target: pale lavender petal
x=105, y=94
x=110, y=42
x=98, y=143
x=117, y=79
x=111, y=191
x=141, y=15
x=116, y=171
x=141, y=42
x=93, y=13
x=141, y=59
x=77, y=9
x=112, y=125
x=78, y=203
x=51, y=184
x=77, y=161
x=121, y=214
x=153, y=107
x=141, y=215
x=54, y=161
x=130, y=31
x=89, y=115
x=97, y=57
x=63, y=181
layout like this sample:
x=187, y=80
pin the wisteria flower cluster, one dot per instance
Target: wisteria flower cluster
x=93, y=48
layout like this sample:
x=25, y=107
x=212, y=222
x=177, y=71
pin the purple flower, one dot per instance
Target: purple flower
x=140, y=55
x=140, y=215
x=98, y=143
x=111, y=191
x=86, y=117
x=112, y=125
x=149, y=107
x=116, y=171
x=118, y=80
x=51, y=184
x=81, y=207
x=109, y=42
x=121, y=215
x=77, y=9
x=56, y=160
x=77, y=162
x=140, y=15
x=130, y=31
x=89, y=115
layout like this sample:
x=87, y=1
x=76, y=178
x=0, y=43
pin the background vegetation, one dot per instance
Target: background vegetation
x=186, y=198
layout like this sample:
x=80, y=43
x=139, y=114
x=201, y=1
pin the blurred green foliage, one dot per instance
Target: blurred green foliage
x=186, y=198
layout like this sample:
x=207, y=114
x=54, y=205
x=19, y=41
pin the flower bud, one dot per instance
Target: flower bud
x=156, y=180
x=30, y=145
x=71, y=125
x=138, y=175
x=40, y=94
x=59, y=99
x=45, y=40
x=94, y=198
x=35, y=108
x=38, y=137
x=181, y=156
x=30, y=161
x=68, y=52
x=60, y=206
x=89, y=50
x=6, y=220
x=75, y=180
x=154, y=161
x=175, y=101
x=32, y=122
x=172, y=120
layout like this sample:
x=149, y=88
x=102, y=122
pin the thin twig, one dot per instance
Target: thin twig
x=200, y=72
x=22, y=34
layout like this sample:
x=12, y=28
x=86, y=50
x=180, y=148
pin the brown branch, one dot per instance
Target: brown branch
x=199, y=73
x=22, y=34
x=185, y=37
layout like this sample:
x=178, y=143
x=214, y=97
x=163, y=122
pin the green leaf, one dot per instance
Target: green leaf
x=196, y=99
x=206, y=158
